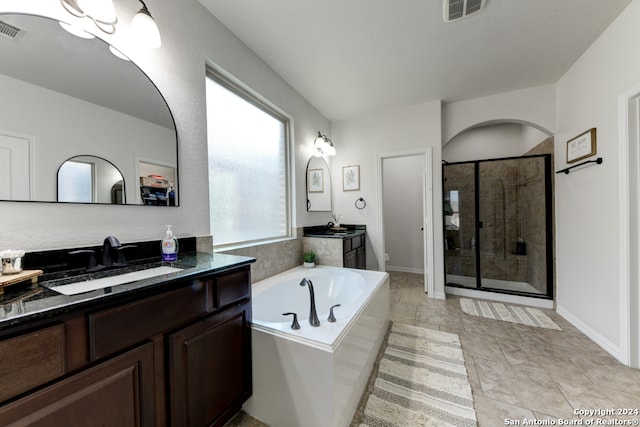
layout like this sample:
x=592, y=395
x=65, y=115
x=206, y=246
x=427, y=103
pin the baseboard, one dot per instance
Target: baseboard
x=595, y=336
x=404, y=269
x=495, y=296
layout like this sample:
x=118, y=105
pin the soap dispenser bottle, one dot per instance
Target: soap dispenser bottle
x=169, y=246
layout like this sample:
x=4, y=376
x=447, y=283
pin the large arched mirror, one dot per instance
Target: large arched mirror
x=71, y=96
x=318, y=185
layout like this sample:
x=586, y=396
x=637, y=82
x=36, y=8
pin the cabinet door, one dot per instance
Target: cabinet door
x=116, y=393
x=361, y=258
x=350, y=260
x=210, y=369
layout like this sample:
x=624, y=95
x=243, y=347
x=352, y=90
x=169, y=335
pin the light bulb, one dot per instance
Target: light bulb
x=145, y=30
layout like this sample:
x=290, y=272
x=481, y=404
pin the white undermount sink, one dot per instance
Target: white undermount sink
x=105, y=282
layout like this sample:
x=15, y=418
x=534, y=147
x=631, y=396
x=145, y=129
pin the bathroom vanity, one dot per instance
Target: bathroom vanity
x=342, y=248
x=169, y=350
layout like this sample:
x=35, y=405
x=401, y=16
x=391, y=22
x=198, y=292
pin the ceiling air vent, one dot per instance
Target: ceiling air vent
x=458, y=9
x=9, y=31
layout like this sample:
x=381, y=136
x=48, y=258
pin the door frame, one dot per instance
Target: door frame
x=629, y=194
x=427, y=209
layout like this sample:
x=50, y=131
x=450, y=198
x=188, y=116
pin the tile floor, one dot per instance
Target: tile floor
x=518, y=372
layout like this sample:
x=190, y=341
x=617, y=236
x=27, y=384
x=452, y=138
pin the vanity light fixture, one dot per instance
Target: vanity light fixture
x=324, y=145
x=145, y=29
x=103, y=14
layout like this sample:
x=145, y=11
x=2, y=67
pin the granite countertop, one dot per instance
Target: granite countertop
x=344, y=232
x=23, y=303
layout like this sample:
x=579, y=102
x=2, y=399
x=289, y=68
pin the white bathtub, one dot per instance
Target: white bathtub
x=315, y=376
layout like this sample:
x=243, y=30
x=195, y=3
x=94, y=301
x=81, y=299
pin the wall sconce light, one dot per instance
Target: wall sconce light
x=145, y=29
x=103, y=14
x=324, y=145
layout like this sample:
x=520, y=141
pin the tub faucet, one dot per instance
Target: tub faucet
x=313, y=315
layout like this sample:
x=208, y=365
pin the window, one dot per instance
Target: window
x=248, y=144
x=75, y=182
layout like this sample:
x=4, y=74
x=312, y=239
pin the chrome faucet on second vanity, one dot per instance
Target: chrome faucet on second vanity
x=313, y=315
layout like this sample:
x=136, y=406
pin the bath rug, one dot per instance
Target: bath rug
x=421, y=381
x=508, y=313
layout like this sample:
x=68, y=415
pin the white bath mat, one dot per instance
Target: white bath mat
x=508, y=313
x=421, y=381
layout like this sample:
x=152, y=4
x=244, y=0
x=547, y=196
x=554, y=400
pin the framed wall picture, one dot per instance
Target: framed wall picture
x=315, y=180
x=582, y=146
x=351, y=178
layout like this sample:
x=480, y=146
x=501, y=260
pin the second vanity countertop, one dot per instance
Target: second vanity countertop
x=24, y=304
x=323, y=231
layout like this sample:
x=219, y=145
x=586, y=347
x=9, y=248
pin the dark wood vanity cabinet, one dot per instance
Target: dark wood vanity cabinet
x=177, y=358
x=354, y=251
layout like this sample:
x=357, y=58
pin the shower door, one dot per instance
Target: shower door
x=460, y=224
x=503, y=228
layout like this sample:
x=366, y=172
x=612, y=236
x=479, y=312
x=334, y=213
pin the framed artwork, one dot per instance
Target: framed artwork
x=351, y=178
x=582, y=146
x=315, y=181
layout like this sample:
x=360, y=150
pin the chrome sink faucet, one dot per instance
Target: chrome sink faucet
x=313, y=314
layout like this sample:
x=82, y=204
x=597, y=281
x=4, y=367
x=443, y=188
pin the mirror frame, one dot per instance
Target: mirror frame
x=326, y=185
x=130, y=201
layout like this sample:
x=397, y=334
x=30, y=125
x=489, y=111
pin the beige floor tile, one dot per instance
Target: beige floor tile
x=484, y=346
x=491, y=413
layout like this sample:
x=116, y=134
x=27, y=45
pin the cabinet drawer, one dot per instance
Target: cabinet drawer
x=357, y=242
x=231, y=287
x=30, y=360
x=119, y=392
x=121, y=327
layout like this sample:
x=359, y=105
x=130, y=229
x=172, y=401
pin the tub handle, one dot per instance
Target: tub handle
x=294, y=324
x=332, y=318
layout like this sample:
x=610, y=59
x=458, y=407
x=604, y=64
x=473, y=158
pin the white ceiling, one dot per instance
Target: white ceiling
x=351, y=57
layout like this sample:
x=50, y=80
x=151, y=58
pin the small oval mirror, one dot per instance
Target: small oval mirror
x=90, y=179
x=318, y=185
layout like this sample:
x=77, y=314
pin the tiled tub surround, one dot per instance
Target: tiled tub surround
x=315, y=376
x=273, y=258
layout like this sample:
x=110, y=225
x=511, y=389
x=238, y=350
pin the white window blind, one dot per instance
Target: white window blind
x=248, y=167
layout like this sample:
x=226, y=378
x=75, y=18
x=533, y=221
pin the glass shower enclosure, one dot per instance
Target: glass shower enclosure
x=498, y=225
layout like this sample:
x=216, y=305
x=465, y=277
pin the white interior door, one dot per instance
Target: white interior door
x=406, y=214
x=15, y=167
